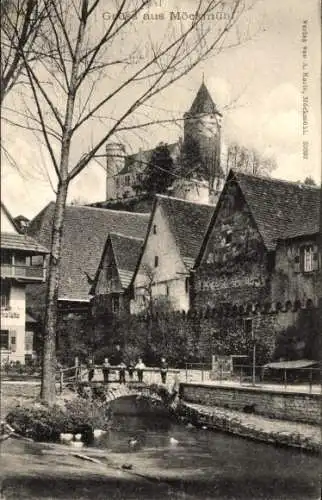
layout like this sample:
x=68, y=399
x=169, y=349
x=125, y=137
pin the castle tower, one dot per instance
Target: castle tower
x=115, y=160
x=202, y=140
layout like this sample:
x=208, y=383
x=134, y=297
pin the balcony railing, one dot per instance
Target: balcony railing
x=23, y=272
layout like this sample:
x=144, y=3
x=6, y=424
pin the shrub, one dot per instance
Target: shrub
x=43, y=423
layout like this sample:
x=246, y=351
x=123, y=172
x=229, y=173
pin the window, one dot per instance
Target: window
x=248, y=326
x=4, y=339
x=115, y=304
x=228, y=237
x=308, y=259
x=13, y=341
x=187, y=285
x=5, y=295
x=156, y=261
x=154, y=229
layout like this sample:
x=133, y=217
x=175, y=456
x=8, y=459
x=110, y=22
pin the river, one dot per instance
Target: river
x=205, y=464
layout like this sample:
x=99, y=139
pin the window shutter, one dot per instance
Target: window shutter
x=315, y=258
x=297, y=262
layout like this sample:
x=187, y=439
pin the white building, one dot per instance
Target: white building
x=22, y=262
x=173, y=240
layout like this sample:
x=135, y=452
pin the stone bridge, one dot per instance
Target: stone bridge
x=162, y=394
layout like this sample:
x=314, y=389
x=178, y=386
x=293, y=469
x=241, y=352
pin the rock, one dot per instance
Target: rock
x=173, y=441
x=190, y=425
x=78, y=437
x=127, y=466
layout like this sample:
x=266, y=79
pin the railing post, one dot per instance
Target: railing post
x=61, y=380
x=285, y=379
x=202, y=374
x=310, y=380
x=186, y=372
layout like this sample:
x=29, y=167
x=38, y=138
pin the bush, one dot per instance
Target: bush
x=43, y=423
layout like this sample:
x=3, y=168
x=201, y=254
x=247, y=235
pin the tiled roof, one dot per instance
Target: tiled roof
x=84, y=236
x=203, y=102
x=281, y=209
x=12, y=241
x=188, y=222
x=127, y=252
x=144, y=158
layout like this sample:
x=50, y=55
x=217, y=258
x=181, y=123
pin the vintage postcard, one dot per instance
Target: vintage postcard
x=161, y=249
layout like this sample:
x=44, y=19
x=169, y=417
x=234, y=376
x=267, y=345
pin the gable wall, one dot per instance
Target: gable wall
x=108, y=279
x=170, y=270
x=234, y=272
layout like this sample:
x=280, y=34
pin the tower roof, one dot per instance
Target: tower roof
x=203, y=102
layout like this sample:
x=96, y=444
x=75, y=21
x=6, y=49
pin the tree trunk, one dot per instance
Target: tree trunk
x=48, y=389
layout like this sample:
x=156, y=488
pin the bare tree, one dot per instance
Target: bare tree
x=106, y=66
x=21, y=25
x=249, y=160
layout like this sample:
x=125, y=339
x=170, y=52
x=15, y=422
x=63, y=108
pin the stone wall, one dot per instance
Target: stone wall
x=298, y=407
x=235, y=264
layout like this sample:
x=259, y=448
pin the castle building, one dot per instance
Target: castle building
x=196, y=157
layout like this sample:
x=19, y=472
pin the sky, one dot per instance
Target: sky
x=258, y=86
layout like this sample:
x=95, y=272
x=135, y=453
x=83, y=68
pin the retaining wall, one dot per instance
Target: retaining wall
x=296, y=407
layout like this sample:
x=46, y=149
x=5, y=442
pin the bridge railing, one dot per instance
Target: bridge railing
x=80, y=373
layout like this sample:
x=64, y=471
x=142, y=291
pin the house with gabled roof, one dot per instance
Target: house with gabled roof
x=174, y=235
x=85, y=231
x=115, y=272
x=259, y=262
x=22, y=263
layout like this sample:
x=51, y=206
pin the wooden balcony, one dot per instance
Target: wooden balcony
x=24, y=273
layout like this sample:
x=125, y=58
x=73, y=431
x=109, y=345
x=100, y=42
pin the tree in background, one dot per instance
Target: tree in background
x=309, y=181
x=248, y=160
x=158, y=175
x=102, y=68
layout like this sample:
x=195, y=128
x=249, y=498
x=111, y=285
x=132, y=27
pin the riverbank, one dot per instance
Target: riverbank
x=256, y=427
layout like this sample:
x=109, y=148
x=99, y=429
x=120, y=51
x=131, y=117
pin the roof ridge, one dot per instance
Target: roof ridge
x=125, y=236
x=89, y=207
x=275, y=179
x=163, y=196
